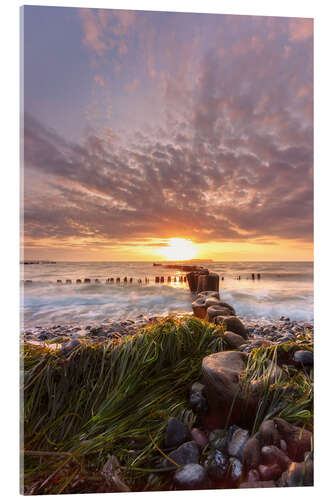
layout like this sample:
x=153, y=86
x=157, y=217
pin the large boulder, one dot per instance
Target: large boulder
x=231, y=323
x=221, y=372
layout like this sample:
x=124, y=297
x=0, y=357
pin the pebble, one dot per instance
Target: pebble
x=190, y=477
x=216, y=464
x=176, y=433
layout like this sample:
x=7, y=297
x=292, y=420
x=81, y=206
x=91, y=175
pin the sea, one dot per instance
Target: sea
x=284, y=289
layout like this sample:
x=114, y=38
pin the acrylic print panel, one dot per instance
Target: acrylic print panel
x=167, y=275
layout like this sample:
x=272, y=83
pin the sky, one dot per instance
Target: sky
x=145, y=128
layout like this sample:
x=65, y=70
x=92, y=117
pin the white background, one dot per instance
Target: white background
x=321, y=10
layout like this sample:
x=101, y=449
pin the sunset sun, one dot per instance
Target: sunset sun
x=178, y=249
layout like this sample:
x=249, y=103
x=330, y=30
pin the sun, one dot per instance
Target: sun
x=178, y=249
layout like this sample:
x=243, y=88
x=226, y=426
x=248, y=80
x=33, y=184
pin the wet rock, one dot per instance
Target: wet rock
x=187, y=453
x=303, y=358
x=269, y=433
x=199, y=437
x=191, y=477
x=218, y=439
x=197, y=387
x=269, y=472
x=235, y=469
x=252, y=452
x=176, y=433
x=199, y=307
x=233, y=340
x=220, y=309
x=216, y=464
x=221, y=372
x=298, y=474
x=237, y=442
x=232, y=324
x=298, y=440
x=258, y=484
x=42, y=336
x=273, y=455
x=97, y=331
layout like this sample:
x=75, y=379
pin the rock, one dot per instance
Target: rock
x=199, y=307
x=232, y=324
x=221, y=372
x=273, y=455
x=69, y=346
x=269, y=433
x=235, y=469
x=197, y=387
x=218, y=439
x=191, y=477
x=42, y=336
x=220, y=309
x=233, y=340
x=298, y=474
x=303, y=358
x=96, y=332
x=269, y=472
x=176, y=433
x=199, y=437
x=198, y=403
x=258, y=484
x=187, y=453
x=237, y=442
x=252, y=452
x=216, y=464
x=298, y=440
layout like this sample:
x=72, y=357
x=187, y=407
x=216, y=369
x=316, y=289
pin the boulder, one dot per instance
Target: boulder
x=269, y=434
x=220, y=309
x=231, y=323
x=209, y=294
x=199, y=307
x=221, y=372
x=273, y=455
x=191, y=477
x=233, y=340
x=176, y=433
x=187, y=453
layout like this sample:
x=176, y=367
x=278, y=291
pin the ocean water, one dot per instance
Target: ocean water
x=285, y=288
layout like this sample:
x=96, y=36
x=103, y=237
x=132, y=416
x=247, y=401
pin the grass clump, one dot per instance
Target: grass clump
x=289, y=394
x=109, y=399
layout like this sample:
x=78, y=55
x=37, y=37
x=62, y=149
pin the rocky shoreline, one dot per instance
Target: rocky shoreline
x=271, y=332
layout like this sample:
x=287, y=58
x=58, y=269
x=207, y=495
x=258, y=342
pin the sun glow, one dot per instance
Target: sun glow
x=178, y=249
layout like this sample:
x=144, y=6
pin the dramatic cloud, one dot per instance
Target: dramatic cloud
x=224, y=152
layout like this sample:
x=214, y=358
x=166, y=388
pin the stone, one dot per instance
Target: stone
x=273, y=455
x=198, y=403
x=197, y=387
x=216, y=464
x=209, y=294
x=237, y=442
x=252, y=452
x=187, y=453
x=219, y=309
x=176, y=433
x=232, y=324
x=253, y=475
x=112, y=474
x=269, y=472
x=298, y=474
x=303, y=358
x=233, y=340
x=191, y=477
x=220, y=373
x=258, y=484
x=235, y=469
x=199, y=437
x=199, y=307
x=269, y=433
x=218, y=439
x=298, y=440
